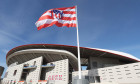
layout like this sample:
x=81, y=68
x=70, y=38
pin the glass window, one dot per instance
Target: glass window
x=15, y=72
x=34, y=63
x=94, y=65
x=87, y=77
x=91, y=79
x=97, y=78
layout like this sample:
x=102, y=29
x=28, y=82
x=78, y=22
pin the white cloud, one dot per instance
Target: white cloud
x=5, y=51
x=5, y=41
x=12, y=36
x=130, y=48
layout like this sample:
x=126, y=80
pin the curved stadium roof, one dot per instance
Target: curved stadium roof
x=71, y=52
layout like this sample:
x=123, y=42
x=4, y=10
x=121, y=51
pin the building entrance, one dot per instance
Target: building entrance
x=24, y=74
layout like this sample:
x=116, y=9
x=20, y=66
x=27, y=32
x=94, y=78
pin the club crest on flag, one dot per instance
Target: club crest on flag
x=57, y=14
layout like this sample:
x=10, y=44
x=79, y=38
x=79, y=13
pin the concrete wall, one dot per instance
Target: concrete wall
x=33, y=74
x=103, y=62
x=122, y=74
x=57, y=75
x=129, y=73
x=60, y=73
x=9, y=74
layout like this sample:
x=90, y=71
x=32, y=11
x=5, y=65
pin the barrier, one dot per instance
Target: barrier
x=14, y=82
x=30, y=82
x=42, y=82
x=20, y=82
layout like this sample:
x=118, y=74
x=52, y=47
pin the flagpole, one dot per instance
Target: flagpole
x=78, y=49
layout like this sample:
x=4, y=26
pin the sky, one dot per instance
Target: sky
x=105, y=24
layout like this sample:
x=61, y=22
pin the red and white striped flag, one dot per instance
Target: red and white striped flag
x=58, y=16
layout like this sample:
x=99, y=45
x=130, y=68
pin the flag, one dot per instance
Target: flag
x=59, y=17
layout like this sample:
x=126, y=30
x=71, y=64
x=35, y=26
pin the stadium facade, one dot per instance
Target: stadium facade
x=1, y=72
x=58, y=64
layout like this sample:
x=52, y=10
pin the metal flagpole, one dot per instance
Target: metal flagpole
x=79, y=61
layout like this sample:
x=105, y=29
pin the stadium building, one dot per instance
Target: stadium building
x=58, y=64
x=1, y=72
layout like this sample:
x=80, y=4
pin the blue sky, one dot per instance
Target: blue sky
x=106, y=24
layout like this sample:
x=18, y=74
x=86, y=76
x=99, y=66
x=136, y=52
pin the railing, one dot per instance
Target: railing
x=48, y=65
x=29, y=67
